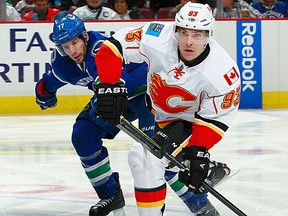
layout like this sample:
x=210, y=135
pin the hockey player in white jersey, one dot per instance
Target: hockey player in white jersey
x=194, y=89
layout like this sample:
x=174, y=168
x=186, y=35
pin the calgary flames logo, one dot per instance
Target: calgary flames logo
x=163, y=94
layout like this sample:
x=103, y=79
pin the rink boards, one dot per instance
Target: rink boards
x=258, y=46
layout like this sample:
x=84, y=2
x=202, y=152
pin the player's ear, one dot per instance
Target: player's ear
x=86, y=36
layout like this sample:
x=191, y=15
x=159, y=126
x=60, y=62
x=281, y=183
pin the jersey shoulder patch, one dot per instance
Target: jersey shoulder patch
x=155, y=29
x=95, y=40
x=231, y=76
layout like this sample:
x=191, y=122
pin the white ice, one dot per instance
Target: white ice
x=41, y=173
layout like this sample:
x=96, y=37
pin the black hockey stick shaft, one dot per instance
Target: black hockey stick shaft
x=154, y=148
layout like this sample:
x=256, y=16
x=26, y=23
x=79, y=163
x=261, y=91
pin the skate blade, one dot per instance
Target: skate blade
x=119, y=212
x=232, y=173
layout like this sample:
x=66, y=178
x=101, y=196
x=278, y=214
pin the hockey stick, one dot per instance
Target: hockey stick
x=155, y=149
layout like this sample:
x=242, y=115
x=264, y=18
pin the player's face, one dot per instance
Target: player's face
x=191, y=43
x=76, y=49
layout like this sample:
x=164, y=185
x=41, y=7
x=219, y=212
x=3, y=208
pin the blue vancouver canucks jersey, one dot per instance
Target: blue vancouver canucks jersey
x=65, y=70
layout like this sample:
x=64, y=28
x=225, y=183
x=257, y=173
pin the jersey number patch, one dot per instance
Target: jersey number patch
x=231, y=99
x=134, y=35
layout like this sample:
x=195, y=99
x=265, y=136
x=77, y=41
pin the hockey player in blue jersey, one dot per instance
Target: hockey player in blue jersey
x=73, y=62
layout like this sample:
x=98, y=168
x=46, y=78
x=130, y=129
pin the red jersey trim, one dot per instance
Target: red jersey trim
x=150, y=196
x=205, y=134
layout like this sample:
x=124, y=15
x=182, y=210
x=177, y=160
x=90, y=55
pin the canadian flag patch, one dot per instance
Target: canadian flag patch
x=231, y=76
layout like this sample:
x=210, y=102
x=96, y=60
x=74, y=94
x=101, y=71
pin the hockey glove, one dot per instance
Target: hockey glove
x=112, y=101
x=196, y=159
x=170, y=139
x=44, y=98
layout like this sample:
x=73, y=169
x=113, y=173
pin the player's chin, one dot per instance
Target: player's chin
x=78, y=60
x=189, y=56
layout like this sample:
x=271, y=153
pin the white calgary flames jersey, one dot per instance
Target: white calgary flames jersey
x=206, y=93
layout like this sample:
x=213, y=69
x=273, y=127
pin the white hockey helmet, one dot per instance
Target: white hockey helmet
x=196, y=16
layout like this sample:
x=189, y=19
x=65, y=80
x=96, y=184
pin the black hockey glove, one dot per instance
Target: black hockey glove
x=44, y=98
x=170, y=138
x=196, y=159
x=112, y=101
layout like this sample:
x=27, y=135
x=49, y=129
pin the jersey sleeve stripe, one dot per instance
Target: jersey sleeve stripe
x=114, y=49
x=217, y=124
x=211, y=126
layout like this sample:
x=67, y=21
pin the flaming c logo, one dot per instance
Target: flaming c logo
x=163, y=94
